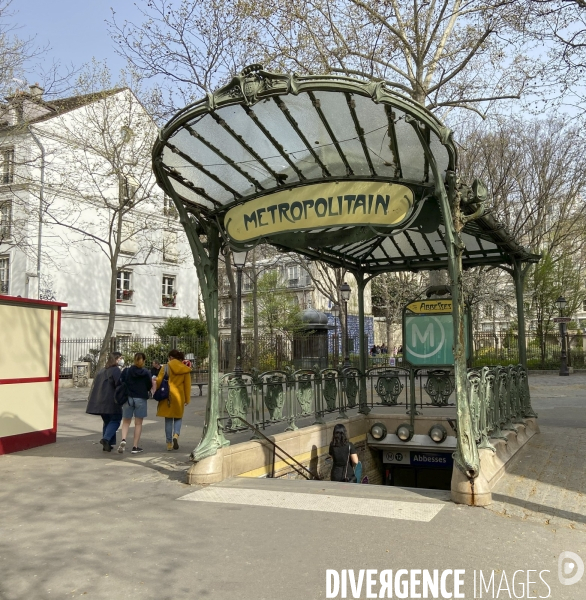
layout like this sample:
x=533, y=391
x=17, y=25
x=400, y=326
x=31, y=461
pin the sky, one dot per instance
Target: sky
x=75, y=29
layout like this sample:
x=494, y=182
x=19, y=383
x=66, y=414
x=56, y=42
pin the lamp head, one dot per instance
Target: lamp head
x=335, y=311
x=561, y=302
x=239, y=258
x=345, y=291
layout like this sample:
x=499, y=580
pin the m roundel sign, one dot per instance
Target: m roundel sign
x=428, y=336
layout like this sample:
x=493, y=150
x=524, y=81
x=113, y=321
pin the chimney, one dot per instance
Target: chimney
x=36, y=91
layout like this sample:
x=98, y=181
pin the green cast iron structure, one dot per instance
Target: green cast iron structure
x=264, y=134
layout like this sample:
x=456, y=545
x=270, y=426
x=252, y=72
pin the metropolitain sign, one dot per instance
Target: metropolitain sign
x=320, y=206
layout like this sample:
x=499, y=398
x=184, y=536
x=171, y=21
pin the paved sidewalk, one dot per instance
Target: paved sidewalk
x=547, y=482
x=77, y=522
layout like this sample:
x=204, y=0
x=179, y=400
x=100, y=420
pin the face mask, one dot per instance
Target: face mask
x=120, y=362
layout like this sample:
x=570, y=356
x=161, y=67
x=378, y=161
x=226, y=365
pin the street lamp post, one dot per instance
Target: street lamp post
x=561, y=302
x=336, y=314
x=345, y=293
x=239, y=262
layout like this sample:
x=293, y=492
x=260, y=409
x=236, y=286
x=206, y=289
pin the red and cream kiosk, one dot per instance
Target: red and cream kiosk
x=29, y=372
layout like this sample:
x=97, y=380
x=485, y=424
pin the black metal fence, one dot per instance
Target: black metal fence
x=543, y=352
x=277, y=352
x=88, y=350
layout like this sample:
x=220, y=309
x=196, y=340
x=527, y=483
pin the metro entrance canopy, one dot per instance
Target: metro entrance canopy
x=340, y=170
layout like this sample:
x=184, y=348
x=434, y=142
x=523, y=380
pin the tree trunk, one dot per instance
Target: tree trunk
x=105, y=348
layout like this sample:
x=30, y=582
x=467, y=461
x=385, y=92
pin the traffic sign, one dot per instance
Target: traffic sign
x=562, y=319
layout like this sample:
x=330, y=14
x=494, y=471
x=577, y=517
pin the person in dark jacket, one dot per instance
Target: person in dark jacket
x=102, y=401
x=343, y=454
x=138, y=381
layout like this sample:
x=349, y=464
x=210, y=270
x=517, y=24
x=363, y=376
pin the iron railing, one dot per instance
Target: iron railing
x=289, y=396
x=498, y=396
x=499, y=399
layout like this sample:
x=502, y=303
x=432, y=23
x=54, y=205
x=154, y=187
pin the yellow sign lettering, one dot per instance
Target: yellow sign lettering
x=319, y=206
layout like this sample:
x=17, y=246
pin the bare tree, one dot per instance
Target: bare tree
x=101, y=191
x=390, y=293
x=535, y=176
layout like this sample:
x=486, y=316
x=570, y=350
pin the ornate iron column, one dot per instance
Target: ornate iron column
x=519, y=272
x=239, y=262
x=361, y=283
x=466, y=456
x=205, y=241
x=345, y=293
x=336, y=315
x=561, y=302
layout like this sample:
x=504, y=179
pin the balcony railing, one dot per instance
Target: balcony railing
x=3, y=287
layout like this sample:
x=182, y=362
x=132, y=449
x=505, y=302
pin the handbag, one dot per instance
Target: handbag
x=163, y=392
x=352, y=478
x=121, y=391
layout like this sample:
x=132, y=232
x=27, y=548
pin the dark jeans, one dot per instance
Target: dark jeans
x=111, y=424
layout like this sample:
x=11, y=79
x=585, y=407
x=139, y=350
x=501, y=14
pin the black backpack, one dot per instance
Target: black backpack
x=121, y=391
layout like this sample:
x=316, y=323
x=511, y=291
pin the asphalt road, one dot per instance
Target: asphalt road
x=78, y=522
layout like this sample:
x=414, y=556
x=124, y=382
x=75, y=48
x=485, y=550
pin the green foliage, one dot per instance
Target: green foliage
x=278, y=310
x=182, y=327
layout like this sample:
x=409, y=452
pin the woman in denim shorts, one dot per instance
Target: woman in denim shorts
x=138, y=381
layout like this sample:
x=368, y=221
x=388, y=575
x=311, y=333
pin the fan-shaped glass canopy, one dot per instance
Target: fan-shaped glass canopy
x=334, y=168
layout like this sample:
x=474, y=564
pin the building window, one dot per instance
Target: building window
x=227, y=313
x=4, y=274
x=293, y=275
x=7, y=157
x=169, y=208
x=584, y=305
x=488, y=311
x=170, y=246
x=128, y=244
x=169, y=291
x=5, y=220
x=246, y=282
x=127, y=188
x=124, y=290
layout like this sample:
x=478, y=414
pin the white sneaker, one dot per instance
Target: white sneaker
x=122, y=446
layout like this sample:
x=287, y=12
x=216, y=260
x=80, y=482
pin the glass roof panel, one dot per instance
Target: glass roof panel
x=237, y=119
x=199, y=179
x=410, y=150
x=221, y=139
x=212, y=162
x=189, y=195
x=440, y=154
x=404, y=245
x=390, y=248
x=307, y=118
x=271, y=116
x=373, y=120
x=470, y=241
x=336, y=110
x=419, y=242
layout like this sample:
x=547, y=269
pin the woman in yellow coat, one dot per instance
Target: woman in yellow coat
x=179, y=395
